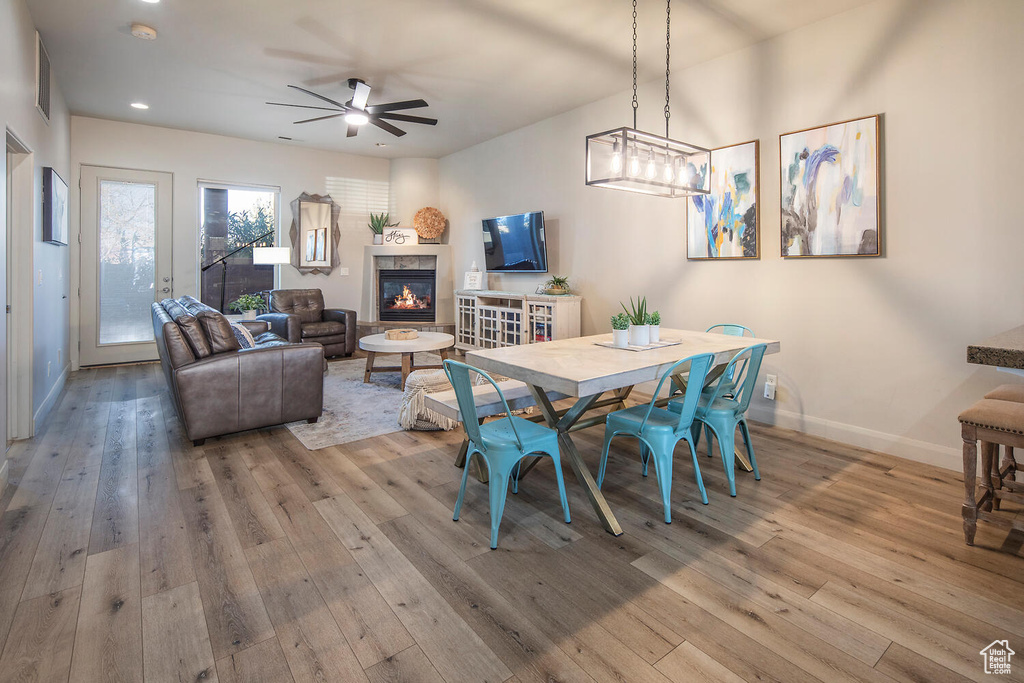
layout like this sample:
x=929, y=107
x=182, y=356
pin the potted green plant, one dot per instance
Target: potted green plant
x=639, y=331
x=249, y=305
x=378, y=223
x=620, y=330
x=654, y=322
x=557, y=285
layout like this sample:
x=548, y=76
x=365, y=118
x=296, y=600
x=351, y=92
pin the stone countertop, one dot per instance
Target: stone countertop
x=1005, y=350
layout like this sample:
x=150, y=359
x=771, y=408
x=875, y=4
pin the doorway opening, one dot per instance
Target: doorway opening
x=16, y=281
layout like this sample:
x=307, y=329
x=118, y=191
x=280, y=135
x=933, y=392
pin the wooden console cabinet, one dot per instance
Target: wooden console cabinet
x=487, y=319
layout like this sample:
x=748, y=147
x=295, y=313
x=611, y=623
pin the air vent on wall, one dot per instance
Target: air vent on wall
x=42, y=79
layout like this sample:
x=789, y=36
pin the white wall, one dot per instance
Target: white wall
x=415, y=183
x=873, y=348
x=49, y=144
x=192, y=157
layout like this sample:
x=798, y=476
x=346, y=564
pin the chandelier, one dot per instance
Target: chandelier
x=632, y=160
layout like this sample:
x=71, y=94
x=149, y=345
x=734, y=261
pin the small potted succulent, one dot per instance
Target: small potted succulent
x=249, y=305
x=378, y=223
x=639, y=330
x=654, y=322
x=557, y=285
x=620, y=330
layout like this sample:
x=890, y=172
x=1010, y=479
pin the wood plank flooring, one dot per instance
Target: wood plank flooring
x=128, y=555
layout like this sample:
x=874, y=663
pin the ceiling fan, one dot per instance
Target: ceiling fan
x=358, y=113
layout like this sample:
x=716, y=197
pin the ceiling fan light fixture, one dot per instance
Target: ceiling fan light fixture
x=357, y=119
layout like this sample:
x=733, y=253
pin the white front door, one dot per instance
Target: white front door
x=126, y=262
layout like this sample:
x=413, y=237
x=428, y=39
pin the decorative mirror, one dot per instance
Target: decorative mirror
x=315, y=234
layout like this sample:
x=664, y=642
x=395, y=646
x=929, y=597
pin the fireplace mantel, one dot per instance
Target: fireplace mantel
x=445, y=304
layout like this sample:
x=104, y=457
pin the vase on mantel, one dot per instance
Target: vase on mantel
x=639, y=335
x=378, y=238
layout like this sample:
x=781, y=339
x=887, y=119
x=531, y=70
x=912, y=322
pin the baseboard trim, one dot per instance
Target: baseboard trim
x=901, y=446
x=51, y=399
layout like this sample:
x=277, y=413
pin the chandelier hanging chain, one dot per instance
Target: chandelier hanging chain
x=668, y=56
x=634, y=64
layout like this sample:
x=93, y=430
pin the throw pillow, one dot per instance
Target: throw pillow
x=190, y=328
x=218, y=331
x=243, y=335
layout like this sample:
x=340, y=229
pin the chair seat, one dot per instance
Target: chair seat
x=533, y=435
x=322, y=329
x=629, y=419
x=722, y=403
x=1008, y=392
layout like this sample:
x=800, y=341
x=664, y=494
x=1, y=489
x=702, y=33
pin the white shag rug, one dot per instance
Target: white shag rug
x=353, y=410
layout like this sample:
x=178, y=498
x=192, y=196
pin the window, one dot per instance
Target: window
x=232, y=220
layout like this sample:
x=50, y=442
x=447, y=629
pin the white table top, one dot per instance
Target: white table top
x=427, y=341
x=579, y=367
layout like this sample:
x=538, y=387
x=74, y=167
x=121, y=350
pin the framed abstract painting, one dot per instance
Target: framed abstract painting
x=725, y=223
x=830, y=189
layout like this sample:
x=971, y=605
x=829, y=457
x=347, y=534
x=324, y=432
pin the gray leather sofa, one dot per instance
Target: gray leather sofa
x=219, y=387
x=299, y=315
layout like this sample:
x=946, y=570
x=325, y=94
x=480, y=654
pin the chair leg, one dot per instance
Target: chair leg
x=462, y=490
x=707, y=435
x=515, y=477
x=663, y=473
x=726, y=446
x=697, y=475
x=745, y=431
x=561, y=486
x=498, y=484
x=608, y=436
x=645, y=456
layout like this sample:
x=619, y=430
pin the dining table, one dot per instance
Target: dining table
x=596, y=375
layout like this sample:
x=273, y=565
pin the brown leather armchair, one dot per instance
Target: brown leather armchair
x=299, y=315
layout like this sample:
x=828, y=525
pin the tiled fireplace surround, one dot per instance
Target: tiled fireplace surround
x=416, y=257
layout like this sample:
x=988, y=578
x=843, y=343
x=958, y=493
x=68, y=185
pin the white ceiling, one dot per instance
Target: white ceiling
x=486, y=67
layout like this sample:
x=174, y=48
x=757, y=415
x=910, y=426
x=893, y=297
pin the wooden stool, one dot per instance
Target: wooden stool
x=993, y=422
x=1008, y=470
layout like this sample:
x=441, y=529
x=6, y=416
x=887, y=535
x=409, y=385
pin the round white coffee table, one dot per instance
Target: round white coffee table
x=427, y=341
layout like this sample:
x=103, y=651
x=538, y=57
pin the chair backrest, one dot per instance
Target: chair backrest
x=699, y=367
x=744, y=367
x=458, y=375
x=308, y=304
x=731, y=329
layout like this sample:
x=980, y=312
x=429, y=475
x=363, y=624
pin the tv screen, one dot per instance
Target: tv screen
x=515, y=244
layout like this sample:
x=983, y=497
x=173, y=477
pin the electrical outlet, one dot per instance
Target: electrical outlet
x=771, y=382
x=40, y=277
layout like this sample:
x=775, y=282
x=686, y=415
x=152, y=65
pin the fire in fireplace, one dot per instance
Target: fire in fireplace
x=406, y=295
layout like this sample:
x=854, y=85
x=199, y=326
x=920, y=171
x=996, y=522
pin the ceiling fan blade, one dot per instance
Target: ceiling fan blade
x=320, y=97
x=384, y=125
x=302, y=106
x=352, y=131
x=361, y=95
x=411, y=119
x=321, y=118
x=395, y=106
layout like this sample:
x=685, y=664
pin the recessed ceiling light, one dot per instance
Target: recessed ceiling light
x=382, y=144
x=139, y=105
x=144, y=32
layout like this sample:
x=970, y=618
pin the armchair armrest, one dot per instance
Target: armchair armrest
x=348, y=319
x=285, y=325
x=255, y=327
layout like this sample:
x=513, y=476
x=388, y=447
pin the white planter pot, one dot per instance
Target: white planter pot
x=655, y=333
x=620, y=338
x=639, y=335
x=249, y=315
x=378, y=238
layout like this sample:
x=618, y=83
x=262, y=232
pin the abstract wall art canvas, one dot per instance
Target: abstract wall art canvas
x=724, y=224
x=830, y=189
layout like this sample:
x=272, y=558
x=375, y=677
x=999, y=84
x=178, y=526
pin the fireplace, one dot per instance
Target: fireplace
x=406, y=294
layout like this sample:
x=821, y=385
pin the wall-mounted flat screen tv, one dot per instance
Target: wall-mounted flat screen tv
x=516, y=244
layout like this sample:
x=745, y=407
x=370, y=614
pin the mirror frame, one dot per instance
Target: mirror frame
x=297, y=234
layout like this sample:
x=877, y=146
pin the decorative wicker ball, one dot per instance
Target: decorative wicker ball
x=429, y=222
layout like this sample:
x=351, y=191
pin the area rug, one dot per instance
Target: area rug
x=353, y=410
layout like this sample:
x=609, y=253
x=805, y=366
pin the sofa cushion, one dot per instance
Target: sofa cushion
x=190, y=328
x=269, y=339
x=322, y=329
x=308, y=304
x=218, y=331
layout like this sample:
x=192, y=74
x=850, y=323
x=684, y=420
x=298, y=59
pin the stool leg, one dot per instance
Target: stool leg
x=1009, y=463
x=988, y=450
x=997, y=475
x=969, y=511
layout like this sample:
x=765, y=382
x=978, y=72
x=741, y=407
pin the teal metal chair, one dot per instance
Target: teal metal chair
x=659, y=430
x=502, y=444
x=724, y=409
x=729, y=385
